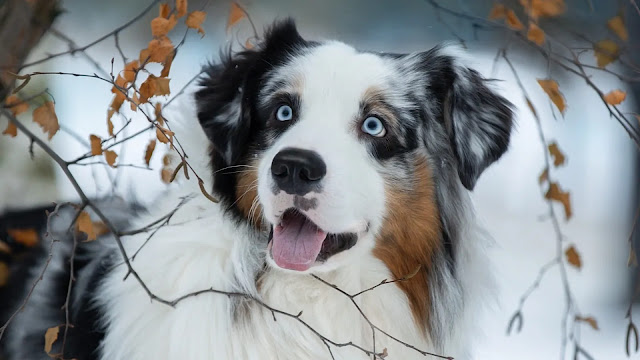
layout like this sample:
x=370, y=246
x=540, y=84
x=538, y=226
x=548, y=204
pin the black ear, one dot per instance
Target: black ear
x=477, y=119
x=228, y=90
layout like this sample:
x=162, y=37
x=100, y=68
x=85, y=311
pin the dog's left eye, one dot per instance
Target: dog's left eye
x=373, y=126
x=284, y=113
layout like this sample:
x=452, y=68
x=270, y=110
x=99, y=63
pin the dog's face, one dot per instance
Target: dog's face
x=320, y=144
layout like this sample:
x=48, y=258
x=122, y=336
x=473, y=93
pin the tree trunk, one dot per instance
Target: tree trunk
x=22, y=24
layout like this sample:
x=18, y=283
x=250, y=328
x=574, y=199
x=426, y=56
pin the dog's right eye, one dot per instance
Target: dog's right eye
x=284, y=113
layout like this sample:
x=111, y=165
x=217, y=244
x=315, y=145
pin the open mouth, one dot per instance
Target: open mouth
x=297, y=243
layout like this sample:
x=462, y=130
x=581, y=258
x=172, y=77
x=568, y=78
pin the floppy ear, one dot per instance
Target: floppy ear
x=228, y=89
x=477, y=119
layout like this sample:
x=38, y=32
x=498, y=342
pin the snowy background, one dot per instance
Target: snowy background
x=601, y=172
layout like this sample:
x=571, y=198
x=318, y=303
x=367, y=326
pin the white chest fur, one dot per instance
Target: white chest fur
x=212, y=252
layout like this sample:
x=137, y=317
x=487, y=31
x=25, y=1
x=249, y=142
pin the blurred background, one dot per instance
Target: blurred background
x=601, y=171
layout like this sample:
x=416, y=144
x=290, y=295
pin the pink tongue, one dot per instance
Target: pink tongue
x=296, y=242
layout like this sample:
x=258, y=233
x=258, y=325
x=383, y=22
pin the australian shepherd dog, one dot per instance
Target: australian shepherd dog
x=344, y=228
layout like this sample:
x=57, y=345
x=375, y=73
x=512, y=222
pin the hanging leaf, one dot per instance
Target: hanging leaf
x=110, y=123
x=165, y=175
x=153, y=86
x=96, y=144
x=181, y=7
x=235, y=15
x=130, y=70
x=158, y=113
x=512, y=20
x=118, y=99
x=195, y=20
x=166, y=65
x=11, y=130
x=615, y=97
x=544, y=8
x=552, y=89
x=16, y=105
x=161, y=26
x=573, y=257
x=544, y=176
x=616, y=24
x=110, y=156
x=26, y=237
x=535, y=34
x=157, y=50
x=556, y=194
x=50, y=337
x=606, y=52
x=85, y=225
x=45, y=116
x=149, y=152
x=556, y=154
x=498, y=11
x=589, y=320
x=165, y=10
x=164, y=135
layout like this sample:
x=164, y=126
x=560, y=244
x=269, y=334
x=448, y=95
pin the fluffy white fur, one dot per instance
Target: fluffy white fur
x=208, y=250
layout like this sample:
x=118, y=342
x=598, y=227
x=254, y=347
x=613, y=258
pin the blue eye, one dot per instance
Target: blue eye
x=284, y=113
x=373, y=126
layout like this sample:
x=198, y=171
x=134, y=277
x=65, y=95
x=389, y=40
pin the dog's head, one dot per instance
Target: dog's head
x=328, y=147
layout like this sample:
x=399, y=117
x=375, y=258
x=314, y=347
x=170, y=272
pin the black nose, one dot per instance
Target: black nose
x=298, y=171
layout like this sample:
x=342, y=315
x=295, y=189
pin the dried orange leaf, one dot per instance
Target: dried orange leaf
x=164, y=135
x=573, y=257
x=135, y=101
x=167, y=64
x=130, y=69
x=164, y=10
x=149, y=151
x=26, y=237
x=606, y=52
x=157, y=50
x=158, y=113
x=166, y=174
x=531, y=107
x=16, y=105
x=118, y=99
x=100, y=228
x=11, y=130
x=544, y=8
x=498, y=11
x=556, y=194
x=110, y=156
x=558, y=156
x=535, y=34
x=96, y=144
x=616, y=24
x=615, y=97
x=85, y=225
x=552, y=89
x=4, y=274
x=161, y=26
x=235, y=15
x=45, y=116
x=544, y=176
x=248, y=45
x=513, y=21
x=195, y=20
x=50, y=337
x=166, y=159
x=153, y=86
x=110, y=125
x=589, y=320
x=181, y=7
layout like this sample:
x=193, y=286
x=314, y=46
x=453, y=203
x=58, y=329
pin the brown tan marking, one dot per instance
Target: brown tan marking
x=373, y=100
x=411, y=237
x=246, y=193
